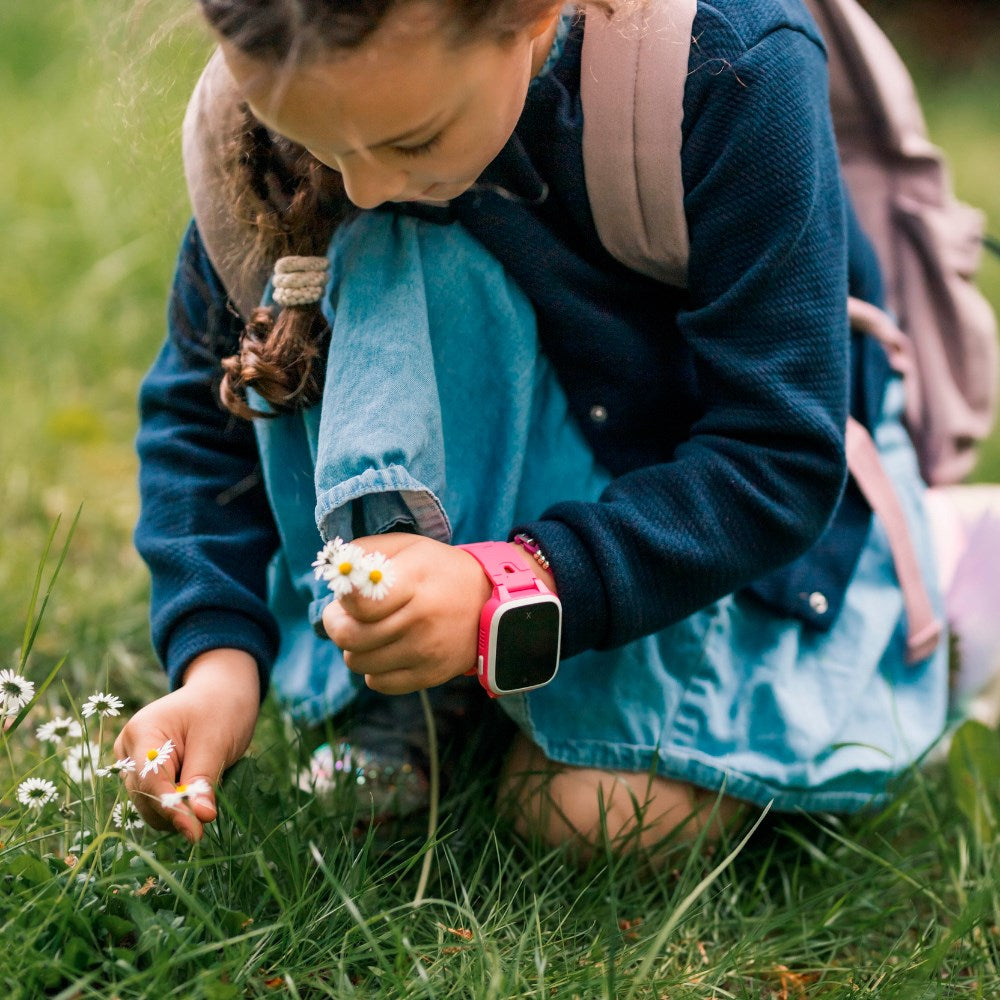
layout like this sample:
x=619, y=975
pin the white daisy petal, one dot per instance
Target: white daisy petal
x=126, y=816
x=326, y=558
x=15, y=692
x=101, y=704
x=340, y=585
x=36, y=793
x=341, y=567
x=59, y=729
x=156, y=758
x=378, y=576
x=82, y=761
x=198, y=787
x=185, y=793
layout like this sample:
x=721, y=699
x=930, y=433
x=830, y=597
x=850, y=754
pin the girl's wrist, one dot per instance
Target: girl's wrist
x=233, y=668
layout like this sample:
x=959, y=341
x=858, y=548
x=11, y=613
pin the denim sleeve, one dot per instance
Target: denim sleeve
x=205, y=528
x=763, y=468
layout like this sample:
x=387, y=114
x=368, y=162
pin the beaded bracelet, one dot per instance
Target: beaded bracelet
x=531, y=547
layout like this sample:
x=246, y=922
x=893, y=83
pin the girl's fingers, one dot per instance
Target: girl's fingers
x=378, y=661
x=146, y=792
x=358, y=636
x=191, y=806
x=156, y=759
x=397, y=682
x=370, y=610
x=199, y=775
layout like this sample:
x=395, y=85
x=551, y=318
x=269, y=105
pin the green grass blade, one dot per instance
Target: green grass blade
x=686, y=903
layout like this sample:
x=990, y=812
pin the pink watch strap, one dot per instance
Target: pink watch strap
x=509, y=573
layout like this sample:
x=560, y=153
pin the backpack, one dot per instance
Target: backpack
x=928, y=243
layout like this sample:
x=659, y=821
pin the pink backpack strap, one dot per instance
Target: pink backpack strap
x=632, y=86
x=923, y=627
x=632, y=77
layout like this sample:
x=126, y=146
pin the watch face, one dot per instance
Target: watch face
x=526, y=652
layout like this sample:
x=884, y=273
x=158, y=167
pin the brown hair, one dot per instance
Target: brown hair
x=292, y=200
x=294, y=203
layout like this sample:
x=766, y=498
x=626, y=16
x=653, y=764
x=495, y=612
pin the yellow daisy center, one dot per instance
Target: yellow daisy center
x=152, y=754
x=182, y=788
x=375, y=576
x=345, y=568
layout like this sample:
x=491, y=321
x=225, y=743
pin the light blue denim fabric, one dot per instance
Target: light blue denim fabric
x=774, y=711
x=440, y=414
x=435, y=393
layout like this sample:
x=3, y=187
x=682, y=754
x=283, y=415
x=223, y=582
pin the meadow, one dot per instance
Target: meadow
x=287, y=897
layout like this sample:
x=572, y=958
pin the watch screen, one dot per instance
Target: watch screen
x=527, y=646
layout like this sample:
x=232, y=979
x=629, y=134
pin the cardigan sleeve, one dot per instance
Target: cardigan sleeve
x=763, y=468
x=205, y=529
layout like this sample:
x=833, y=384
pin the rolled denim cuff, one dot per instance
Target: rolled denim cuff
x=380, y=500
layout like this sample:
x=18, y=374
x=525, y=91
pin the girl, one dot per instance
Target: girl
x=669, y=461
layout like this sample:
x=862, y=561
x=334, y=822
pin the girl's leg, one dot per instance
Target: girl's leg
x=581, y=805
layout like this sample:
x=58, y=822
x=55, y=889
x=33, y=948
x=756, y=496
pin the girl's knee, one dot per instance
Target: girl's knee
x=586, y=806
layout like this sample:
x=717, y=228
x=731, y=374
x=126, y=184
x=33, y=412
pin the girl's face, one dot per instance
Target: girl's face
x=408, y=116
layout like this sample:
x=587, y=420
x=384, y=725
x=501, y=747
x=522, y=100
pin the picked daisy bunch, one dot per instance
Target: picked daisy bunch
x=347, y=567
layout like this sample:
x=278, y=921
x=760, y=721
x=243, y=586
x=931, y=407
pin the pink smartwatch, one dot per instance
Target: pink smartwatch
x=520, y=627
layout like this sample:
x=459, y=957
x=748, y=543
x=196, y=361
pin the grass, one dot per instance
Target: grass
x=285, y=897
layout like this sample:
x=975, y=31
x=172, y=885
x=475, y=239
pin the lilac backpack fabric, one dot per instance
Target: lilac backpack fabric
x=928, y=243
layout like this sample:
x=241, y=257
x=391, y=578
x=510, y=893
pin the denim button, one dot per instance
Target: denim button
x=598, y=413
x=818, y=602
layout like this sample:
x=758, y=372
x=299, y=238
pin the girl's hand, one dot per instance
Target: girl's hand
x=210, y=721
x=424, y=631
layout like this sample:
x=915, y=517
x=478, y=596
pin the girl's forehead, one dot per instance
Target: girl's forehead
x=398, y=79
x=411, y=41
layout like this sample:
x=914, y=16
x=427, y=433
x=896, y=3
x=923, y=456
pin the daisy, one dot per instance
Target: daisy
x=126, y=816
x=15, y=692
x=185, y=793
x=58, y=730
x=323, y=566
x=102, y=704
x=124, y=766
x=342, y=567
x=156, y=757
x=35, y=793
x=379, y=576
x=81, y=761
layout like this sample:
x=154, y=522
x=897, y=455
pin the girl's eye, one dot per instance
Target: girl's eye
x=421, y=150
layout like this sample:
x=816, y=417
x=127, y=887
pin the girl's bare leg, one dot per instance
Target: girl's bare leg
x=561, y=804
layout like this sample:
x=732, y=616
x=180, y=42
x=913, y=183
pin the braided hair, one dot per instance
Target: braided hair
x=294, y=203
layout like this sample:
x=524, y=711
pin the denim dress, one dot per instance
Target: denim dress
x=441, y=416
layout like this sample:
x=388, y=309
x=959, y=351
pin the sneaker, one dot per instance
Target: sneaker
x=382, y=760
x=383, y=784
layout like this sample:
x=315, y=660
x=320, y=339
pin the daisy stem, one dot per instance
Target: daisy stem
x=65, y=812
x=435, y=794
x=10, y=756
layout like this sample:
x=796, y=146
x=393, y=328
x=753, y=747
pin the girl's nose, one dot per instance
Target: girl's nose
x=369, y=183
